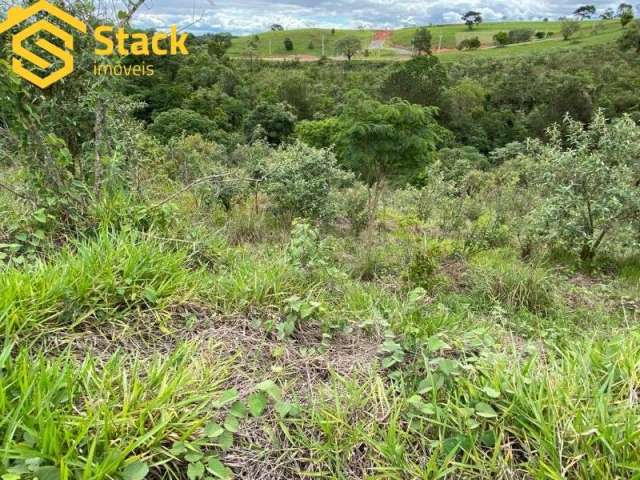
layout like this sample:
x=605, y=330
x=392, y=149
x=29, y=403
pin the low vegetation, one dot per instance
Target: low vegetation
x=244, y=269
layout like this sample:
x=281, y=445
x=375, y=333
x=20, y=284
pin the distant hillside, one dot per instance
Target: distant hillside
x=308, y=43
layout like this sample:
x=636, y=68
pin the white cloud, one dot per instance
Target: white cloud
x=249, y=16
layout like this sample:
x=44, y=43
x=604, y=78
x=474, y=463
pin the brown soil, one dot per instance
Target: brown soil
x=383, y=35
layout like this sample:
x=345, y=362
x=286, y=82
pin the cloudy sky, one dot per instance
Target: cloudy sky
x=251, y=16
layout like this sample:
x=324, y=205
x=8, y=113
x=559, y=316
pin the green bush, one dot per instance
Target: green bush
x=301, y=181
x=352, y=204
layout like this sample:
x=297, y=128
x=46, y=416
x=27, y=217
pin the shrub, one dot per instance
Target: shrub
x=472, y=43
x=487, y=231
x=520, y=35
x=178, y=121
x=568, y=28
x=515, y=285
x=190, y=157
x=501, y=39
x=273, y=122
x=421, y=80
x=589, y=178
x=353, y=205
x=301, y=180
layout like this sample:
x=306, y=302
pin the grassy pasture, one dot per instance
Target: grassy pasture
x=447, y=37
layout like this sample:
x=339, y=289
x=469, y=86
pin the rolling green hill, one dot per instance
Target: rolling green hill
x=308, y=42
x=305, y=42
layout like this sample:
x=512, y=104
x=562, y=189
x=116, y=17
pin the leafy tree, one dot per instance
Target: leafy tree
x=608, y=14
x=590, y=183
x=348, y=46
x=631, y=38
x=465, y=109
x=275, y=121
x=453, y=164
x=568, y=28
x=219, y=44
x=191, y=157
x=624, y=8
x=379, y=140
x=472, y=18
x=626, y=18
x=301, y=181
x=276, y=27
x=422, y=41
x=421, y=80
x=294, y=89
x=585, y=11
x=288, y=44
x=206, y=102
x=501, y=39
x=318, y=133
x=569, y=95
x=179, y=121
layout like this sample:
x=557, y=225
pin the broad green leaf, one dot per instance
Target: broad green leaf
x=238, y=409
x=271, y=389
x=286, y=409
x=195, y=471
x=257, y=403
x=213, y=430
x=135, y=471
x=231, y=424
x=217, y=468
x=192, y=457
x=448, y=366
x=491, y=392
x=485, y=410
x=178, y=448
x=225, y=440
x=420, y=405
x=435, y=344
x=227, y=396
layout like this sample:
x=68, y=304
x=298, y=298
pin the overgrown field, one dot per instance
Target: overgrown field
x=264, y=271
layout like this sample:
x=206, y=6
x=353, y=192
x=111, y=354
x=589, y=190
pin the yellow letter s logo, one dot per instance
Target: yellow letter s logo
x=18, y=15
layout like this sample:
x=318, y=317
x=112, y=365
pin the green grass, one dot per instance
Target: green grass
x=301, y=41
x=95, y=281
x=448, y=36
x=69, y=419
x=469, y=396
x=495, y=416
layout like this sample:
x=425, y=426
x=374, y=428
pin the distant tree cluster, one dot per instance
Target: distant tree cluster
x=472, y=18
x=472, y=43
x=422, y=41
x=348, y=46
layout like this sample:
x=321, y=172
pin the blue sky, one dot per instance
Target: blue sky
x=250, y=16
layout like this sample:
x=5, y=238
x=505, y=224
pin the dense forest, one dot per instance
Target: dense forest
x=238, y=268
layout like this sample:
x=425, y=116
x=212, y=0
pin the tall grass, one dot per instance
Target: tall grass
x=96, y=280
x=516, y=285
x=574, y=416
x=61, y=419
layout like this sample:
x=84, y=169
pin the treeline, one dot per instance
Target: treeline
x=484, y=103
